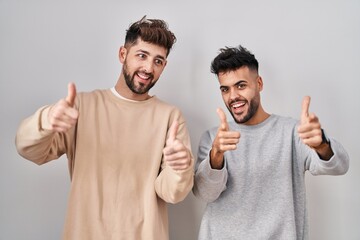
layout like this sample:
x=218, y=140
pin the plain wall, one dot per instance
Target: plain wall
x=304, y=48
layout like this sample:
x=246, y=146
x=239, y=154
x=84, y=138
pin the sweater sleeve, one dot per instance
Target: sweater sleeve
x=174, y=185
x=37, y=144
x=338, y=164
x=209, y=183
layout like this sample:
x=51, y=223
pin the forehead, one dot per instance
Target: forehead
x=231, y=77
x=150, y=48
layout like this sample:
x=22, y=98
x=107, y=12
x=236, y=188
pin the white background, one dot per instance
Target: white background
x=303, y=47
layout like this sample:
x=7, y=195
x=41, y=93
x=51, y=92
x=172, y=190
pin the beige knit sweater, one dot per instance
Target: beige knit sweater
x=119, y=184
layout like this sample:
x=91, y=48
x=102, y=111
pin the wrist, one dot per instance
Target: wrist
x=216, y=159
x=324, y=149
x=325, y=141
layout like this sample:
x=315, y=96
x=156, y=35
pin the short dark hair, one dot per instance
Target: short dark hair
x=232, y=58
x=153, y=31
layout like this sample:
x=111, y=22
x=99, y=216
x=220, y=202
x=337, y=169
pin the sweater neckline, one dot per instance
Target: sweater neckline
x=243, y=127
x=127, y=101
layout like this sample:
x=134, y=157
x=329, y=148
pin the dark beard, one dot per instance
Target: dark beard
x=253, y=107
x=141, y=89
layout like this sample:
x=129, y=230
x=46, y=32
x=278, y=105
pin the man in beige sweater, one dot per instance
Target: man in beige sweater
x=128, y=152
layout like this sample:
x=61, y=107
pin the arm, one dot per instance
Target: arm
x=211, y=173
x=177, y=175
x=337, y=164
x=49, y=132
x=209, y=182
x=38, y=144
x=323, y=156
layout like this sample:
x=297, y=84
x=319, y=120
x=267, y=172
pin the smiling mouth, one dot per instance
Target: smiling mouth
x=144, y=77
x=238, y=106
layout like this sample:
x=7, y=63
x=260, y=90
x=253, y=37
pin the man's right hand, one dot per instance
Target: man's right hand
x=225, y=140
x=62, y=116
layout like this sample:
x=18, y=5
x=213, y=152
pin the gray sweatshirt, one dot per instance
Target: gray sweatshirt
x=260, y=192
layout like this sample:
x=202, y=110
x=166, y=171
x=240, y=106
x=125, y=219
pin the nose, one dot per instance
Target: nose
x=233, y=94
x=148, y=66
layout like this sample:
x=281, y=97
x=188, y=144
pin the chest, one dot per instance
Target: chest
x=261, y=155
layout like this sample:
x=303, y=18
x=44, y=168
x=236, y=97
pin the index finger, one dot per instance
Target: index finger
x=70, y=98
x=223, y=122
x=305, y=108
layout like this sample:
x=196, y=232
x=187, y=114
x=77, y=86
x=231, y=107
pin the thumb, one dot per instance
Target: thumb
x=70, y=98
x=223, y=122
x=173, y=131
x=305, y=109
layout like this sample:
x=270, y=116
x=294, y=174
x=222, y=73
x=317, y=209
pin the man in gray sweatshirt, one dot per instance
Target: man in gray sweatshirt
x=251, y=171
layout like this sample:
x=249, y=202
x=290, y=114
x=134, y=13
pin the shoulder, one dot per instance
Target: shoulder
x=97, y=93
x=161, y=103
x=168, y=110
x=285, y=126
x=284, y=121
x=92, y=96
x=165, y=106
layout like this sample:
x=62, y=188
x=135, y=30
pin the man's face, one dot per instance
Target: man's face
x=143, y=64
x=240, y=90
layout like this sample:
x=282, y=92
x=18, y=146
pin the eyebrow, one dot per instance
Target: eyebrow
x=240, y=81
x=237, y=83
x=148, y=53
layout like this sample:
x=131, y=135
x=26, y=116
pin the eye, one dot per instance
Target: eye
x=241, y=85
x=159, y=62
x=141, y=55
x=224, y=89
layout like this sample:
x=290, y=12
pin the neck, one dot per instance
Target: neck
x=259, y=117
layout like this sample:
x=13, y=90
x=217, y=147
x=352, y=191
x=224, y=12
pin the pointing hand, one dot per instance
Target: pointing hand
x=225, y=140
x=310, y=128
x=62, y=116
x=176, y=155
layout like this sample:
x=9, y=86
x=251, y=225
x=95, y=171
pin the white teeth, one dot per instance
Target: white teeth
x=237, y=105
x=146, y=77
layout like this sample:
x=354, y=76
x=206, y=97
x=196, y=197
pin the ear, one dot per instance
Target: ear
x=122, y=54
x=260, y=83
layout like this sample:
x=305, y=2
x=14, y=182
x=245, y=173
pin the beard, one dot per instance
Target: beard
x=253, y=107
x=141, y=88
